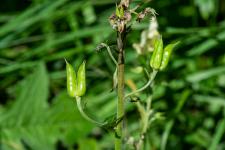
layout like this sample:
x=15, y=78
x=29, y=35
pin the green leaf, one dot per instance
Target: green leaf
x=88, y=13
x=27, y=111
x=88, y=144
x=205, y=74
x=31, y=101
x=206, y=7
x=220, y=129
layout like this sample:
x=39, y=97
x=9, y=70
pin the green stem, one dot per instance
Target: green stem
x=80, y=108
x=120, y=101
x=153, y=75
x=144, y=113
x=110, y=53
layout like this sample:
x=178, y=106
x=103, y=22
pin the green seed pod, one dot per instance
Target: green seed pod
x=166, y=55
x=81, y=80
x=157, y=55
x=71, y=79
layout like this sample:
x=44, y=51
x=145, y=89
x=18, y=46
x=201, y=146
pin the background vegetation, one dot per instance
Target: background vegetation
x=35, y=110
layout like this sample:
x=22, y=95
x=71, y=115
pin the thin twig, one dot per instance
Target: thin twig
x=110, y=53
x=149, y=101
x=80, y=108
x=145, y=86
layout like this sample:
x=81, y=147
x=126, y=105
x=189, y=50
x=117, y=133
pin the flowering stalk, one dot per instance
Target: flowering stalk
x=120, y=91
x=121, y=21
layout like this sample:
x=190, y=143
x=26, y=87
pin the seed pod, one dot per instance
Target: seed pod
x=166, y=55
x=157, y=55
x=71, y=79
x=81, y=80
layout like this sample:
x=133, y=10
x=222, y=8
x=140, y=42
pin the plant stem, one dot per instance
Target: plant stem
x=120, y=101
x=80, y=108
x=110, y=53
x=153, y=75
x=144, y=113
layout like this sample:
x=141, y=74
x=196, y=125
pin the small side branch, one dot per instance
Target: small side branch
x=80, y=108
x=153, y=75
x=110, y=53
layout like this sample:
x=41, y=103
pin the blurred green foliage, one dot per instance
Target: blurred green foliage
x=35, y=110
